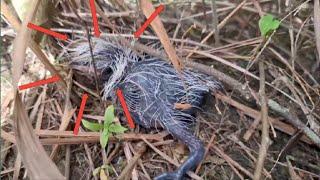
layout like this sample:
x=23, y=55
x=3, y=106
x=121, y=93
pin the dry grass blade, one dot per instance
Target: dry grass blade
x=158, y=27
x=20, y=46
x=33, y=154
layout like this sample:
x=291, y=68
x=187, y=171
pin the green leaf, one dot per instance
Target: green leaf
x=104, y=137
x=92, y=126
x=268, y=24
x=117, y=128
x=108, y=116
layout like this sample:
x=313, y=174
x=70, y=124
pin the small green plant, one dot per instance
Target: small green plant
x=268, y=24
x=108, y=127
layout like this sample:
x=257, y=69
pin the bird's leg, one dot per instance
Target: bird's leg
x=196, y=149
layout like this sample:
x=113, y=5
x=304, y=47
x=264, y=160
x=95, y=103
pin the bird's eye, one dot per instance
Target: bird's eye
x=106, y=74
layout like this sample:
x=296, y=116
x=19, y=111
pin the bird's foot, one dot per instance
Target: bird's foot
x=170, y=176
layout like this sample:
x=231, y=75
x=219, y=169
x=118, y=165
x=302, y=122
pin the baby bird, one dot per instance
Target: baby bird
x=151, y=88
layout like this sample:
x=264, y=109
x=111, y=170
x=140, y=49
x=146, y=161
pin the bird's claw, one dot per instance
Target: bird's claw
x=170, y=176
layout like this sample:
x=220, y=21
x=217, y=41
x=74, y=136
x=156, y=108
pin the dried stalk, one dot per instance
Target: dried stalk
x=126, y=171
x=265, y=140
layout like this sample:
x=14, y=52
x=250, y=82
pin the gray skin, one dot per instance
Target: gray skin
x=151, y=87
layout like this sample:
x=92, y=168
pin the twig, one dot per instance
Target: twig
x=67, y=163
x=292, y=141
x=234, y=84
x=271, y=103
x=41, y=110
x=170, y=160
x=316, y=16
x=294, y=120
x=105, y=17
x=67, y=115
x=127, y=152
x=292, y=173
x=295, y=168
x=283, y=127
x=215, y=22
x=67, y=137
x=231, y=161
x=36, y=105
x=91, y=165
x=221, y=24
x=141, y=149
x=206, y=152
x=108, y=14
x=311, y=120
x=235, y=139
x=265, y=140
x=108, y=35
x=252, y=128
x=93, y=62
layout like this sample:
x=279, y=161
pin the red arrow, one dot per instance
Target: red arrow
x=40, y=82
x=149, y=20
x=79, y=117
x=94, y=18
x=125, y=108
x=47, y=31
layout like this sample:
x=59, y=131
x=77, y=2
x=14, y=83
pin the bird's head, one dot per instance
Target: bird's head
x=111, y=61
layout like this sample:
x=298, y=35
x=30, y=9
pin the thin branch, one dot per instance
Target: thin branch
x=265, y=139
